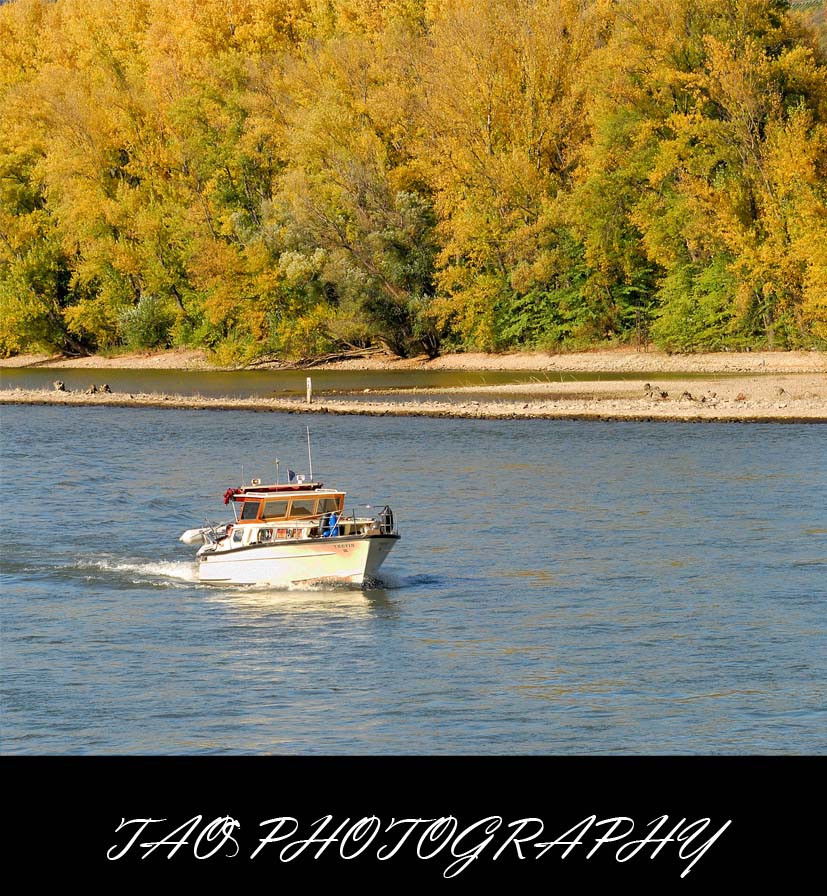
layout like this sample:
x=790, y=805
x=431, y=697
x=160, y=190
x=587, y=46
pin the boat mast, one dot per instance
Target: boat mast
x=309, y=455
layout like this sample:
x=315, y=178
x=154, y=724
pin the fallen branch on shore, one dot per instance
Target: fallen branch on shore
x=316, y=361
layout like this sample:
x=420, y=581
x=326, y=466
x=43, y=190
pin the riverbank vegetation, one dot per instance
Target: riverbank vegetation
x=293, y=177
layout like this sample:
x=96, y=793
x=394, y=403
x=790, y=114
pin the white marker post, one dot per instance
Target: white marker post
x=309, y=391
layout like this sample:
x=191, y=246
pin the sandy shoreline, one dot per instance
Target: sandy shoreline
x=748, y=386
x=604, y=360
x=781, y=398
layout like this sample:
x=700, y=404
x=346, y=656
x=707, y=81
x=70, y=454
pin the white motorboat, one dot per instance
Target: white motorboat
x=292, y=534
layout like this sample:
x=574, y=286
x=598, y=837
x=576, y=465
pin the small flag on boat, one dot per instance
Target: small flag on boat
x=290, y=475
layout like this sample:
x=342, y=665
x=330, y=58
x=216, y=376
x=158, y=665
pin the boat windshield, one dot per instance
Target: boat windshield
x=328, y=505
x=274, y=510
x=302, y=508
x=250, y=511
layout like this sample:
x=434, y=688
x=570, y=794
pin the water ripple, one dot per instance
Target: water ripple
x=560, y=587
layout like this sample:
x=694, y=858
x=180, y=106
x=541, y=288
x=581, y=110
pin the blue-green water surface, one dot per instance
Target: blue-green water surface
x=560, y=587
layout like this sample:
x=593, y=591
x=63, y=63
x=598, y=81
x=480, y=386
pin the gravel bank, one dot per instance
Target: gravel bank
x=799, y=399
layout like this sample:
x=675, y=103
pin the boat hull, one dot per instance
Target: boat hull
x=342, y=560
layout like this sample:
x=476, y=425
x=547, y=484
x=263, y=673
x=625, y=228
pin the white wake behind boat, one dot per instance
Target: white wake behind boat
x=292, y=534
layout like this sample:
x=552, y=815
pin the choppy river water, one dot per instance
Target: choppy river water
x=560, y=587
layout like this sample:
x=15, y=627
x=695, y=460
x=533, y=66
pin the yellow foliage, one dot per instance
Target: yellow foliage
x=255, y=164
x=94, y=318
x=305, y=334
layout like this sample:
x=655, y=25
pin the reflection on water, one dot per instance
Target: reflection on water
x=540, y=577
x=285, y=383
x=269, y=601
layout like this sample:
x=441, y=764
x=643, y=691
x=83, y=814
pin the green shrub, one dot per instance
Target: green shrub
x=696, y=308
x=146, y=325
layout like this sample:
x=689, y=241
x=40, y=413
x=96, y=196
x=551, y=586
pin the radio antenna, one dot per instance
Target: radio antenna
x=309, y=455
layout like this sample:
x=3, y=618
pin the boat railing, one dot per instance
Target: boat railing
x=315, y=525
x=385, y=520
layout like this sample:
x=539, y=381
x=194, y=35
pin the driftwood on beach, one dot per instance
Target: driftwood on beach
x=316, y=361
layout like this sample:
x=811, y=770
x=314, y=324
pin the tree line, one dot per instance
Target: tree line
x=292, y=177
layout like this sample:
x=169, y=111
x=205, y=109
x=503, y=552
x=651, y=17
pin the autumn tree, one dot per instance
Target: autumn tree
x=693, y=96
x=502, y=118
x=289, y=176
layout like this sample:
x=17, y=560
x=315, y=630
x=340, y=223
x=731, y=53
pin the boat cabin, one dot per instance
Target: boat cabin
x=273, y=513
x=287, y=503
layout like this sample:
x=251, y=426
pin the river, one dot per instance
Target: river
x=560, y=587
